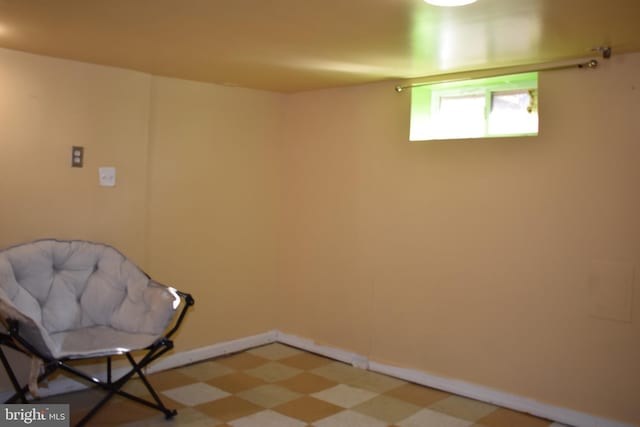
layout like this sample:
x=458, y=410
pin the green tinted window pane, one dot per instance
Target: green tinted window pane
x=420, y=115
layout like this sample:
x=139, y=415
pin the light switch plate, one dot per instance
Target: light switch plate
x=107, y=176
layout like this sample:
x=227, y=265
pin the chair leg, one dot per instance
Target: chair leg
x=115, y=387
x=169, y=413
x=21, y=391
x=94, y=410
x=111, y=387
x=12, y=377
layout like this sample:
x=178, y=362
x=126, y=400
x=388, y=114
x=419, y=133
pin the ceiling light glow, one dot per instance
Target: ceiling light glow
x=450, y=3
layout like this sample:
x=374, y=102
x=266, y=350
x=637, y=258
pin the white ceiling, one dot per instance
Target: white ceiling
x=295, y=45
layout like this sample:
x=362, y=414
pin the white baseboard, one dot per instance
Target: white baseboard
x=461, y=388
x=330, y=352
x=220, y=349
x=474, y=391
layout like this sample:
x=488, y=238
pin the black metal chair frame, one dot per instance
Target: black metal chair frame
x=12, y=339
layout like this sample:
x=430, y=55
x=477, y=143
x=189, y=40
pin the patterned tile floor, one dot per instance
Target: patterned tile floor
x=279, y=386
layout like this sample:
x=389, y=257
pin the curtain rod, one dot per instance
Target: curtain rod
x=588, y=64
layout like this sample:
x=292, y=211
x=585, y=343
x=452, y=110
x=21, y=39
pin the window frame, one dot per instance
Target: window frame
x=487, y=87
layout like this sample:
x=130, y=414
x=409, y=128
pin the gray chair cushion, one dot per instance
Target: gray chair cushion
x=78, y=298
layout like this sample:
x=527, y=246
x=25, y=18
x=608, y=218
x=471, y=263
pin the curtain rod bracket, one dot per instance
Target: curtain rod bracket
x=604, y=50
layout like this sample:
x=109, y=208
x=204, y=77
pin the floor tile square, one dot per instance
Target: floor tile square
x=418, y=395
x=205, y=371
x=267, y=418
x=168, y=379
x=273, y=371
x=427, y=417
x=344, y=395
x=508, y=418
x=229, y=408
x=464, y=408
x=242, y=361
x=195, y=394
x=306, y=361
x=349, y=419
x=307, y=383
x=166, y=400
x=308, y=409
x=375, y=382
x=269, y=395
x=339, y=372
x=235, y=382
x=275, y=351
x=387, y=408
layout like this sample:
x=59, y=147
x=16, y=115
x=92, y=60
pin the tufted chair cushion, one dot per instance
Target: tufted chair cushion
x=80, y=298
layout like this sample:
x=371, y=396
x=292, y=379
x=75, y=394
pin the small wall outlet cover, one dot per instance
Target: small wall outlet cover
x=77, y=156
x=107, y=176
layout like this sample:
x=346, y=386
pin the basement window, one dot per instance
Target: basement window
x=479, y=108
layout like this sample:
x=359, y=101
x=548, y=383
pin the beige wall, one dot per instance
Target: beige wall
x=47, y=106
x=474, y=260
x=206, y=224
x=214, y=189
x=483, y=261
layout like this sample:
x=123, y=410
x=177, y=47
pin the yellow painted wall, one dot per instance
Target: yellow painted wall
x=214, y=200
x=486, y=261
x=197, y=181
x=47, y=106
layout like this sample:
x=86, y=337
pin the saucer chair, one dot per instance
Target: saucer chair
x=64, y=301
